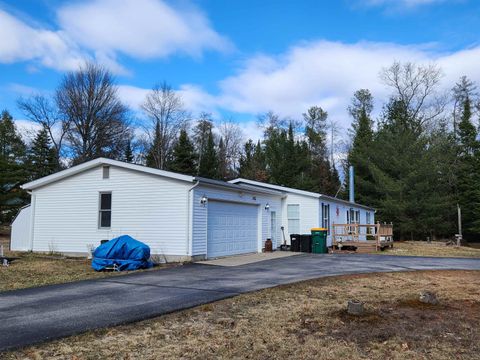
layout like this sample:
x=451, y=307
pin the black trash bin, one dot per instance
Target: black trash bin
x=295, y=242
x=306, y=243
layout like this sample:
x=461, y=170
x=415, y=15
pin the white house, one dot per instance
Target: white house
x=303, y=210
x=179, y=216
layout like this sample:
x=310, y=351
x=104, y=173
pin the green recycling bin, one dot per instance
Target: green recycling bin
x=319, y=241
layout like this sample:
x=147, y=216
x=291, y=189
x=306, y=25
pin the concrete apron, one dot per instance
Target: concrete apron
x=237, y=260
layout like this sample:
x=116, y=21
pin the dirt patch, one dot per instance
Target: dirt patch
x=303, y=321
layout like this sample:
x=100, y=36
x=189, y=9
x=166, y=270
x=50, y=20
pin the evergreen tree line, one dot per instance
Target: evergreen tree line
x=420, y=159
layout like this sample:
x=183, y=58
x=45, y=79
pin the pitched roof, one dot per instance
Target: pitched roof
x=102, y=161
x=145, y=169
x=296, y=191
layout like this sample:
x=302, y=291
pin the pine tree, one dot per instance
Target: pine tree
x=468, y=171
x=276, y=157
x=222, y=161
x=246, y=166
x=252, y=162
x=322, y=176
x=411, y=183
x=201, y=133
x=153, y=158
x=184, y=157
x=12, y=170
x=208, y=166
x=259, y=164
x=41, y=156
x=128, y=157
x=359, y=155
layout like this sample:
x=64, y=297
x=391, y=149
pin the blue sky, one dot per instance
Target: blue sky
x=236, y=58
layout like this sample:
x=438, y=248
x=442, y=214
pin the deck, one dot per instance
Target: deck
x=362, y=238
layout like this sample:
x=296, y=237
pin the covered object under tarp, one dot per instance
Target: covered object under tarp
x=122, y=253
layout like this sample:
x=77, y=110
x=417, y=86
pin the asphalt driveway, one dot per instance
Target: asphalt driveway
x=38, y=314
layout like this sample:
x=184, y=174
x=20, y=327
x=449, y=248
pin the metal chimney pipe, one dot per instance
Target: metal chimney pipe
x=351, y=188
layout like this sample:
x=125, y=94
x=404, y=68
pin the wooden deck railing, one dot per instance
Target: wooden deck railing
x=381, y=233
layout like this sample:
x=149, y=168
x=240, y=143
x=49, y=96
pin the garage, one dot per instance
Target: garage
x=232, y=228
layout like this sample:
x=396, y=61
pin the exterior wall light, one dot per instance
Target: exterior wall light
x=267, y=206
x=203, y=200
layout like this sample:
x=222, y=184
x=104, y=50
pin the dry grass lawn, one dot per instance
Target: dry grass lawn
x=40, y=269
x=302, y=321
x=437, y=249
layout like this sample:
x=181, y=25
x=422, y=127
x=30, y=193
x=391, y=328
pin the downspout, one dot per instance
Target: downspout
x=190, y=217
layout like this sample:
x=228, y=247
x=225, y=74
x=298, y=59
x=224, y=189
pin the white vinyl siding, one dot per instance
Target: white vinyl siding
x=293, y=215
x=309, y=212
x=20, y=236
x=150, y=208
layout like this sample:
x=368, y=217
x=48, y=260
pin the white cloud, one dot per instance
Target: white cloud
x=139, y=28
x=400, y=3
x=327, y=74
x=194, y=98
x=132, y=96
x=251, y=130
x=101, y=30
x=198, y=100
x=22, y=90
x=319, y=73
x=27, y=129
x=21, y=42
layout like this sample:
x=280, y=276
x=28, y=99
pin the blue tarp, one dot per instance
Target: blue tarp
x=123, y=251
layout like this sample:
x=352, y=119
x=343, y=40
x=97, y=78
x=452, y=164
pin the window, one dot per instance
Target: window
x=105, y=211
x=106, y=172
x=293, y=216
x=357, y=217
x=326, y=216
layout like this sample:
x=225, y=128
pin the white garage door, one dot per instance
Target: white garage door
x=232, y=229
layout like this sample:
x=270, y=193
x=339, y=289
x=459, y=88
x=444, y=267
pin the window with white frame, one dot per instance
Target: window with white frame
x=293, y=216
x=326, y=216
x=357, y=217
x=105, y=210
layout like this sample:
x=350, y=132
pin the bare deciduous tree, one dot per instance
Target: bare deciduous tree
x=95, y=118
x=233, y=139
x=165, y=109
x=44, y=112
x=416, y=86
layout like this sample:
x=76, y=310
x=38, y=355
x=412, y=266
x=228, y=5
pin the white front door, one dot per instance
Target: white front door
x=231, y=229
